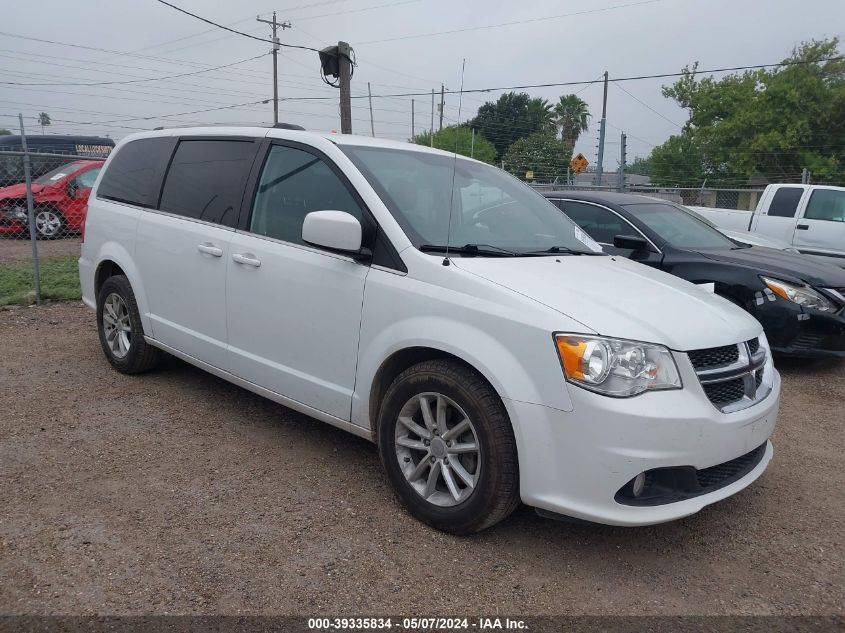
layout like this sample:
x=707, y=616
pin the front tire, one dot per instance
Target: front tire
x=447, y=445
x=120, y=329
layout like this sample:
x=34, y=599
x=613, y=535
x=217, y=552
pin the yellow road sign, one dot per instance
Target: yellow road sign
x=579, y=163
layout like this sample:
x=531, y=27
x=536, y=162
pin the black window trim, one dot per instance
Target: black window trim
x=371, y=230
x=616, y=213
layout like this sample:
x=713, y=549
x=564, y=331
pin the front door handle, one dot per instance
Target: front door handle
x=802, y=227
x=248, y=259
x=210, y=249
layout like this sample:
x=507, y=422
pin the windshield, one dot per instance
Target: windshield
x=490, y=208
x=678, y=227
x=52, y=177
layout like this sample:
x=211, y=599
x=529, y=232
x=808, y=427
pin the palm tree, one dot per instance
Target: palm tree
x=541, y=115
x=43, y=119
x=572, y=115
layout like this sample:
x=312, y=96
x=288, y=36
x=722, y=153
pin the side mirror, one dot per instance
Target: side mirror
x=72, y=188
x=631, y=242
x=334, y=230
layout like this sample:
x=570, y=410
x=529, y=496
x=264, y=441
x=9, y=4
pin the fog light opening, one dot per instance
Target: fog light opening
x=637, y=485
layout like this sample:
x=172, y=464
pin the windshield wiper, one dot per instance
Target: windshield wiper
x=563, y=250
x=479, y=250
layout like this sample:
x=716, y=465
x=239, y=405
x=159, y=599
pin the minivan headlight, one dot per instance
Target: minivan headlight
x=616, y=367
x=804, y=296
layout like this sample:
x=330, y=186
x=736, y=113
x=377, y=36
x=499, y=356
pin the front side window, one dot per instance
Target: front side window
x=134, y=173
x=678, y=228
x=293, y=184
x=826, y=204
x=599, y=223
x=86, y=180
x=206, y=180
x=486, y=206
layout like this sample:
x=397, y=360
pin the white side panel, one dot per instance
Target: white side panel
x=294, y=321
x=186, y=288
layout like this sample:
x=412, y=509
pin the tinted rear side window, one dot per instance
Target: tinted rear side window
x=785, y=202
x=134, y=174
x=206, y=180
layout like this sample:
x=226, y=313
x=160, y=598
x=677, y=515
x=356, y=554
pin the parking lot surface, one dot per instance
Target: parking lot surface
x=16, y=249
x=176, y=492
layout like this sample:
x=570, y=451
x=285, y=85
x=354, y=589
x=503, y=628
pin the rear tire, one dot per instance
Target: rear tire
x=120, y=329
x=430, y=460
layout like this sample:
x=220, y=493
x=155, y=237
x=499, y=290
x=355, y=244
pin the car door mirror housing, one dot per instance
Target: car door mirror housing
x=632, y=242
x=72, y=188
x=334, y=230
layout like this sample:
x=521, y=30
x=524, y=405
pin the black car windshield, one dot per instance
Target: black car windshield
x=677, y=227
x=492, y=212
x=57, y=174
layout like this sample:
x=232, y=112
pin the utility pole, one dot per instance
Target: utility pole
x=472, y=145
x=442, y=96
x=431, y=134
x=345, y=65
x=30, y=214
x=412, y=119
x=601, y=134
x=370, y=96
x=622, y=162
x=275, y=26
x=805, y=176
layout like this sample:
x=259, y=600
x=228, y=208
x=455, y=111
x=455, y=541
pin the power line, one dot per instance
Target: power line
x=503, y=24
x=231, y=30
x=592, y=81
x=643, y=103
x=135, y=81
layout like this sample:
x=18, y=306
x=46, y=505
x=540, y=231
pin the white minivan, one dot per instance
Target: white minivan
x=438, y=307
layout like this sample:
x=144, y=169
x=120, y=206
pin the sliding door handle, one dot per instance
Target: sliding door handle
x=247, y=259
x=802, y=227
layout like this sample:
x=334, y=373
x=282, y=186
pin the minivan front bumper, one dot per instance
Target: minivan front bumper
x=575, y=463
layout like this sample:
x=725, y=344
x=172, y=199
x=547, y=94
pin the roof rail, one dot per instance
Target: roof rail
x=288, y=126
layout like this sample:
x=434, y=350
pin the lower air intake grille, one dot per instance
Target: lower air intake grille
x=717, y=476
x=725, y=392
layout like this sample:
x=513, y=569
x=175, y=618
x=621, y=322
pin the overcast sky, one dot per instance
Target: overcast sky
x=398, y=51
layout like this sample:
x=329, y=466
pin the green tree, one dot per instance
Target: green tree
x=572, y=117
x=767, y=122
x=541, y=153
x=508, y=119
x=460, y=137
x=4, y=132
x=641, y=166
x=541, y=116
x=43, y=120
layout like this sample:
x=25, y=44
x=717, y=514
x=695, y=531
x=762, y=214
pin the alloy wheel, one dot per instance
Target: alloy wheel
x=117, y=325
x=438, y=449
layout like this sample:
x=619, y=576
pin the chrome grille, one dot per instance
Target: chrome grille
x=732, y=376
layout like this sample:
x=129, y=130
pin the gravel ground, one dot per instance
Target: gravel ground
x=176, y=492
x=20, y=250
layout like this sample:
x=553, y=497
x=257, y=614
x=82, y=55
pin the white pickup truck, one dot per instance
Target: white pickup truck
x=810, y=217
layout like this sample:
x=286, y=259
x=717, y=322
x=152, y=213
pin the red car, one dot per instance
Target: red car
x=60, y=198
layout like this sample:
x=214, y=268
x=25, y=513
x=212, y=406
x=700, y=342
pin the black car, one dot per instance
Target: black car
x=799, y=301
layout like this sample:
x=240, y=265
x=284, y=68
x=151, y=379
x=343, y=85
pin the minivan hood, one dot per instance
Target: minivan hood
x=620, y=298
x=782, y=264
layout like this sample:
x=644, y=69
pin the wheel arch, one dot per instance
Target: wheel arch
x=114, y=259
x=399, y=361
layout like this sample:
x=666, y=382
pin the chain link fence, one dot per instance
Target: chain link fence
x=736, y=199
x=39, y=250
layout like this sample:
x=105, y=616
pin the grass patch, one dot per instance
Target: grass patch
x=59, y=281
